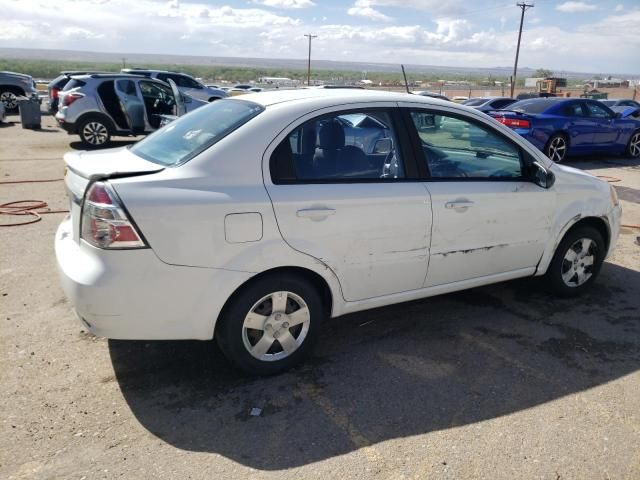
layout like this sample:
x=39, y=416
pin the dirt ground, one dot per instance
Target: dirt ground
x=499, y=382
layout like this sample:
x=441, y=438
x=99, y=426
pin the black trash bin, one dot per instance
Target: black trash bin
x=30, y=116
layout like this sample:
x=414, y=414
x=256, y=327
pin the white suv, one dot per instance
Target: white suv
x=252, y=219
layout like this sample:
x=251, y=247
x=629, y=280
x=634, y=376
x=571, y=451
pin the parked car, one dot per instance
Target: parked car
x=486, y=104
x=99, y=106
x=459, y=99
x=56, y=85
x=426, y=93
x=614, y=102
x=186, y=83
x=251, y=220
x=14, y=85
x=243, y=86
x=561, y=127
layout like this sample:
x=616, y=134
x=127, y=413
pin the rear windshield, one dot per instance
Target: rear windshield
x=73, y=83
x=532, y=105
x=475, y=102
x=190, y=135
x=609, y=103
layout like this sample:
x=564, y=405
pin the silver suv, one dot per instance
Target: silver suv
x=186, y=83
x=13, y=85
x=99, y=106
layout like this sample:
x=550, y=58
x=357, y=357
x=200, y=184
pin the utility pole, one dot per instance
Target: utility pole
x=524, y=6
x=124, y=62
x=309, y=58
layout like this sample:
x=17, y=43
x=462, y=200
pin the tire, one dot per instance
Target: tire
x=213, y=99
x=556, y=148
x=9, y=96
x=258, y=351
x=559, y=274
x=633, y=147
x=94, y=132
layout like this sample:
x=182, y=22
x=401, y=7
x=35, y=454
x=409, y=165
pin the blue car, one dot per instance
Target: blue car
x=562, y=127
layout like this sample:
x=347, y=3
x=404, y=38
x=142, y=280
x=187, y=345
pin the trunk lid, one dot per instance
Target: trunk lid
x=86, y=167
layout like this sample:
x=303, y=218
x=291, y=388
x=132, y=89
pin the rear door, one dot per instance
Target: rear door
x=488, y=218
x=582, y=129
x=131, y=104
x=359, y=210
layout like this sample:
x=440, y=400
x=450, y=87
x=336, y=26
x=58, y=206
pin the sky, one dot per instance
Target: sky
x=590, y=36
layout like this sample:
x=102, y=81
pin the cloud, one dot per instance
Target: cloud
x=362, y=8
x=574, y=7
x=285, y=3
x=619, y=7
x=249, y=30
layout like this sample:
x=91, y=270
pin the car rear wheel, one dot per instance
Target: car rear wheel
x=633, y=149
x=271, y=324
x=556, y=148
x=10, y=99
x=94, y=132
x=576, y=262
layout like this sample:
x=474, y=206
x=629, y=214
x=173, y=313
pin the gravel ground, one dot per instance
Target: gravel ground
x=500, y=382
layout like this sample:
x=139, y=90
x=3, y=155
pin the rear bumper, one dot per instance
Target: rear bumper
x=132, y=295
x=70, y=128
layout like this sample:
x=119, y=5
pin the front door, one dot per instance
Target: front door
x=341, y=193
x=606, y=130
x=131, y=104
x=488, y=218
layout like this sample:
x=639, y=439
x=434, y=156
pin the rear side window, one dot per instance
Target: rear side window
x=73, y=83
x=502, y=103
x=573, y=110
x=190, y=135
x=353, y=146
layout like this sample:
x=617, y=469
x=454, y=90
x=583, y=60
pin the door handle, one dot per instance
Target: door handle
x=459, y=205
x=315, y=213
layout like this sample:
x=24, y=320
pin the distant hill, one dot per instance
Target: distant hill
x=144, y=58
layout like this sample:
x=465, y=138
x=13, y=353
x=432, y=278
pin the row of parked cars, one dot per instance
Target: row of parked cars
x=561, y=126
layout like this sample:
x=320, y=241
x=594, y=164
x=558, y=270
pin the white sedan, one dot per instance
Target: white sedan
x=252, y=219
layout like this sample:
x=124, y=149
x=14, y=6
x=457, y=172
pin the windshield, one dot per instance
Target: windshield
x=609, y=103
x=190, y=135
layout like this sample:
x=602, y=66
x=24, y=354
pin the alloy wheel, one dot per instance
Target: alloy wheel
x=577, y=264
x=95, y=133
x=557, y=149
x=9, y=99
x=276, y=326
x=634, y=145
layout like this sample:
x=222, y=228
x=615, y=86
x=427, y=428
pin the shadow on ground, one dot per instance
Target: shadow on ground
x=387, y=373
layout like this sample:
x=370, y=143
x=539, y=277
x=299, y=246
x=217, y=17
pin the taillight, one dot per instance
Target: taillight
x=54, y=92
x=514, y=122
x=69, y=98
x=105, y=224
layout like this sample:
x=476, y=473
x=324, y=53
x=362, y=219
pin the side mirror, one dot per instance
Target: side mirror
x=383, y=146
x=541, y=176
x=186, y=99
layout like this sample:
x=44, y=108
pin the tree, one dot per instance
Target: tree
x=543, y=73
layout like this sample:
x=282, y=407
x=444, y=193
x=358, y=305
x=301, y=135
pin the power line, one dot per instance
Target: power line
x=309, y=58
x=524, y=7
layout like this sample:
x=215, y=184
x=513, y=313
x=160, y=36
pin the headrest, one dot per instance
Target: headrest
x=331, y=136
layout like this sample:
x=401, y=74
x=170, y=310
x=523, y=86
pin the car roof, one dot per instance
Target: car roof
x=113, y=75
x=151, y=70
x=336, y=96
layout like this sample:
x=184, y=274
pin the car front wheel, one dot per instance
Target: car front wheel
x=633, y=149
x=10, y=100
x=576, y=262
x=271, y=324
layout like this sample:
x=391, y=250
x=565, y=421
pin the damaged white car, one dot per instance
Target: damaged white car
x=252, y=219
